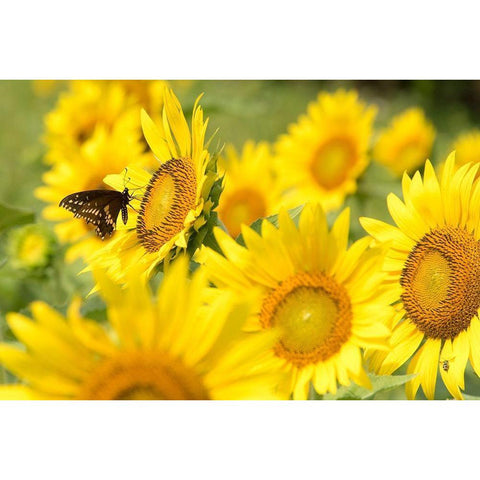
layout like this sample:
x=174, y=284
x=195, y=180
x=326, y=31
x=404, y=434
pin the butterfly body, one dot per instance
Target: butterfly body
x=99, y=207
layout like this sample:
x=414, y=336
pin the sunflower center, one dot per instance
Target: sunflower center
x=243, y=206
x=33, y=250
x=168, y=198
x=143, y=376
x=313, y=313
x=331, y=163
x=441, y=282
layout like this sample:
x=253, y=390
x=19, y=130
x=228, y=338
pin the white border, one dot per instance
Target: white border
x=207, y=39
x=245, y=440
x=222, y=40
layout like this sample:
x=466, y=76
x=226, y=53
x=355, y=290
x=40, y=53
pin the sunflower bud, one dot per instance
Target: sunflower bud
x=30, y=247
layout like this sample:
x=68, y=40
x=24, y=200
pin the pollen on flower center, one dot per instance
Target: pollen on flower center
x=441, y=282
x=331, y=163
x=168, y=198
x=243, y=206
x=313, y=313
x=143, y=376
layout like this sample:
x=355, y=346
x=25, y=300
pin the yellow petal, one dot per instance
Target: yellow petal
x=461, y=349
x=155, y=138
x=404, y=345
x=448, y=377
x=474, y=330
x=412, y=385
x=408, y=220
x=302, y=384
x=36, y=373
x=22, y=392
x=177, y=123
x=50, y=348
x=383, y=232
x=428, y=366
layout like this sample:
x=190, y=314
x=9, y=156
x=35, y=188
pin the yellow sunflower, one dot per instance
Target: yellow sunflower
x=173, y=207
x=103, y=153
x=184, y=344
x=467, y=148
x=323, y=154
x=86, y=105
x=30, y=247
x=406, y=143
x=250, y=190
x=149, y=93
x=326, y=300
x=433, y=268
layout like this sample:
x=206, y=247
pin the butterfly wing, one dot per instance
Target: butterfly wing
x=98, y=207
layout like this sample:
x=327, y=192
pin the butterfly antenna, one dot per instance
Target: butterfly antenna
x=134, y=209
x=137, y=188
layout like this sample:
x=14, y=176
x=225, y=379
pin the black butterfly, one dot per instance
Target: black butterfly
x=99, y=207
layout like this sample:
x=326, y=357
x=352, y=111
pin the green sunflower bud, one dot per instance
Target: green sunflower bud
x=30, y=247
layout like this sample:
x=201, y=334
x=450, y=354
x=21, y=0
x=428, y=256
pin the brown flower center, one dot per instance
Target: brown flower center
x=441, y=282
x=143, y=376
x=169, y=196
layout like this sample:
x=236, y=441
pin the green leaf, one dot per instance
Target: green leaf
x=13, y=216
x=380, y=383
x=204, y=236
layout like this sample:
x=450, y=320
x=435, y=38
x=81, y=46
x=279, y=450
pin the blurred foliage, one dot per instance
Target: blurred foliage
x=380, y=385
x=240, y=110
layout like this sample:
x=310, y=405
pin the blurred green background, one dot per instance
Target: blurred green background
x=241, y=110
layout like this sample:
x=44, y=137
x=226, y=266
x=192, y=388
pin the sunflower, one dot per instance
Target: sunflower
x=148, y=93
x=406, y=143
x=243, y=201
x=467, y=148
x=174, y=205
x=433, y=268
x=30, y=247
x=103, y=153
x=325, y=152
x=86, y=105
x=184, y=344
x=325, y=299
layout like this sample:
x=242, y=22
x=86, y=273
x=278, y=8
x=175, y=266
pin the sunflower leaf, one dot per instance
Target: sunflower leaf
x=380, y=383
x=216, y=191
x=13, y=216
x=205, y=235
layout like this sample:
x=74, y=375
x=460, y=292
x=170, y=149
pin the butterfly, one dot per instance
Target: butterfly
x=99, y=207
